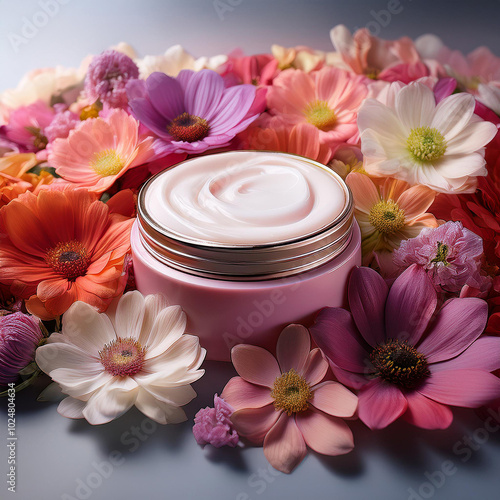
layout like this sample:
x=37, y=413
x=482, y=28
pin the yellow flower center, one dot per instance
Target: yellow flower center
x=441, y=254
x=291, y=393
x=426, y=144
x=91, y=111
x=387, y=217
x=68, y=259
x=107, y=162
x=320, y=115
x=123, y=357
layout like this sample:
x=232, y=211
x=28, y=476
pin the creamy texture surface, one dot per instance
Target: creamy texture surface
x=245, y=198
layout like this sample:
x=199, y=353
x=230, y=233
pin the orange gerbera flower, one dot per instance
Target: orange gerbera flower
x=13, y=177
x=389, y=211
x=61, y=246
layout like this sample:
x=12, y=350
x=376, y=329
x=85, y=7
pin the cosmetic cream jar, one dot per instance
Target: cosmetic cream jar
x=246, y=242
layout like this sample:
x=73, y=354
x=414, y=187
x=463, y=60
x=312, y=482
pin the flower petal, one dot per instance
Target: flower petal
x=425, y=413
x=129, y=315
x=458, y=324
x=71, y=408
x=415, y=105
x=241, y=394
x=325, y=434
x=159, y=411
x=453, y=114
x=255, y=423
x=468, y=388
x=364, y=192
x=367, y=296
x=410, y=305
x=255, y=365
x=315, y=367
x=333, y=398
x=293, y=348
x=380, y=404
x=284, y=446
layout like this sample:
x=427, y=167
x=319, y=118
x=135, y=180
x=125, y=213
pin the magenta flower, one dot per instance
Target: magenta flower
x=402, y=363
x=193, y=112
x=20, y=335
x=107, y=77
x=213, y=425
x=450, y=254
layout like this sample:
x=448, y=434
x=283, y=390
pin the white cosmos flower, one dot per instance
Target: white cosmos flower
x=136, y=355
x=412, y=138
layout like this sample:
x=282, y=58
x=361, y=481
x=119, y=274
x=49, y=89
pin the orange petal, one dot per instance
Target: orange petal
x=363, y=190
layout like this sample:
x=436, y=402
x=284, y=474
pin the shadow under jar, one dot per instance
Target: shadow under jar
x=246, y=242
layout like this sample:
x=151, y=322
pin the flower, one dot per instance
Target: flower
x=440, y=146
x=285, y=403
x=20, y=335
x=100, y=151
x=61, y=125
x=107, y=77
x=61, y=246
x=12, y=168
x=328, y=99
x=193, y=112
x=301, y=139
x=450, y=254
x=303, y=58
x=258, y=70
x=401, y=362
x=389, y=211
x=138, y=356
x=26, y=126
x=213, y=425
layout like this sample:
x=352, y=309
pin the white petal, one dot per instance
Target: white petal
x=129, y=315
x=489, y=95
x=52, y=356
x=153, y=304
x=78, y=386
x=380, y=118
x=453, y=114
x=71, y=408
x=415, y=106
x=473, y=137
x=159, y=411
x=176, y=396
x=457, y=166
x=84, y=327
x=167, y=329
x=111, y=401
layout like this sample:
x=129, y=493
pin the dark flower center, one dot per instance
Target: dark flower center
x=400, y=364
x=69, y=259
x=188, y=128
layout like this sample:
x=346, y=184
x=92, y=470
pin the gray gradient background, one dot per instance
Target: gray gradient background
x=56, y=454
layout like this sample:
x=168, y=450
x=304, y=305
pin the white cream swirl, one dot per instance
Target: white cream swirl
x=245, y=198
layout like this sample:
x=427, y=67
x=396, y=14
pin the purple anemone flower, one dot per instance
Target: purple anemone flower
x=405, y=358
x=192, y=112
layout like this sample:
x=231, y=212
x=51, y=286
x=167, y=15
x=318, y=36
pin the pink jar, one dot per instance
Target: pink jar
x=246, y=242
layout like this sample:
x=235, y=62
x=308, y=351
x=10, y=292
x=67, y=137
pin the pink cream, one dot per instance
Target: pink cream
x=246, y=242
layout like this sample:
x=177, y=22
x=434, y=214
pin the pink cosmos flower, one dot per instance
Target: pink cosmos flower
x=450, y=254
x=328, y=99
x=27, y=125
x=20, y=334
x=286, y=404
x=213, y=425
x=100, y=150
x=192, y=112
x=401, y=362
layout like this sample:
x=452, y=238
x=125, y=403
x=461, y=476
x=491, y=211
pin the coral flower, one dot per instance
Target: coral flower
x=328, y=99
x=301, y=139
x=12, y=168
x=286, y=404
x=139, y=355
x=62, y=246
x=389, y=212
x=401, y=362
x=100, y=151
x=415, y=139
x=193, y=112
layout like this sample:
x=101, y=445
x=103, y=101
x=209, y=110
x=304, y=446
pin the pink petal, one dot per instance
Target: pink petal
x=255, y=423
x=315, y=367
x=325, y=434
x=425, y=413
x=469, y=388
x=457, y=325
x=203, y=93
x=367, y=296
x=410, y=305
x=255, y=365
x=333, y=398
x=241, y=394
x=349, y=379
x=293, y=348
x=145, y=113
x=335, y=334
x=380, y=404
x=284, y=445
x=483, y=354
x=166, y=95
